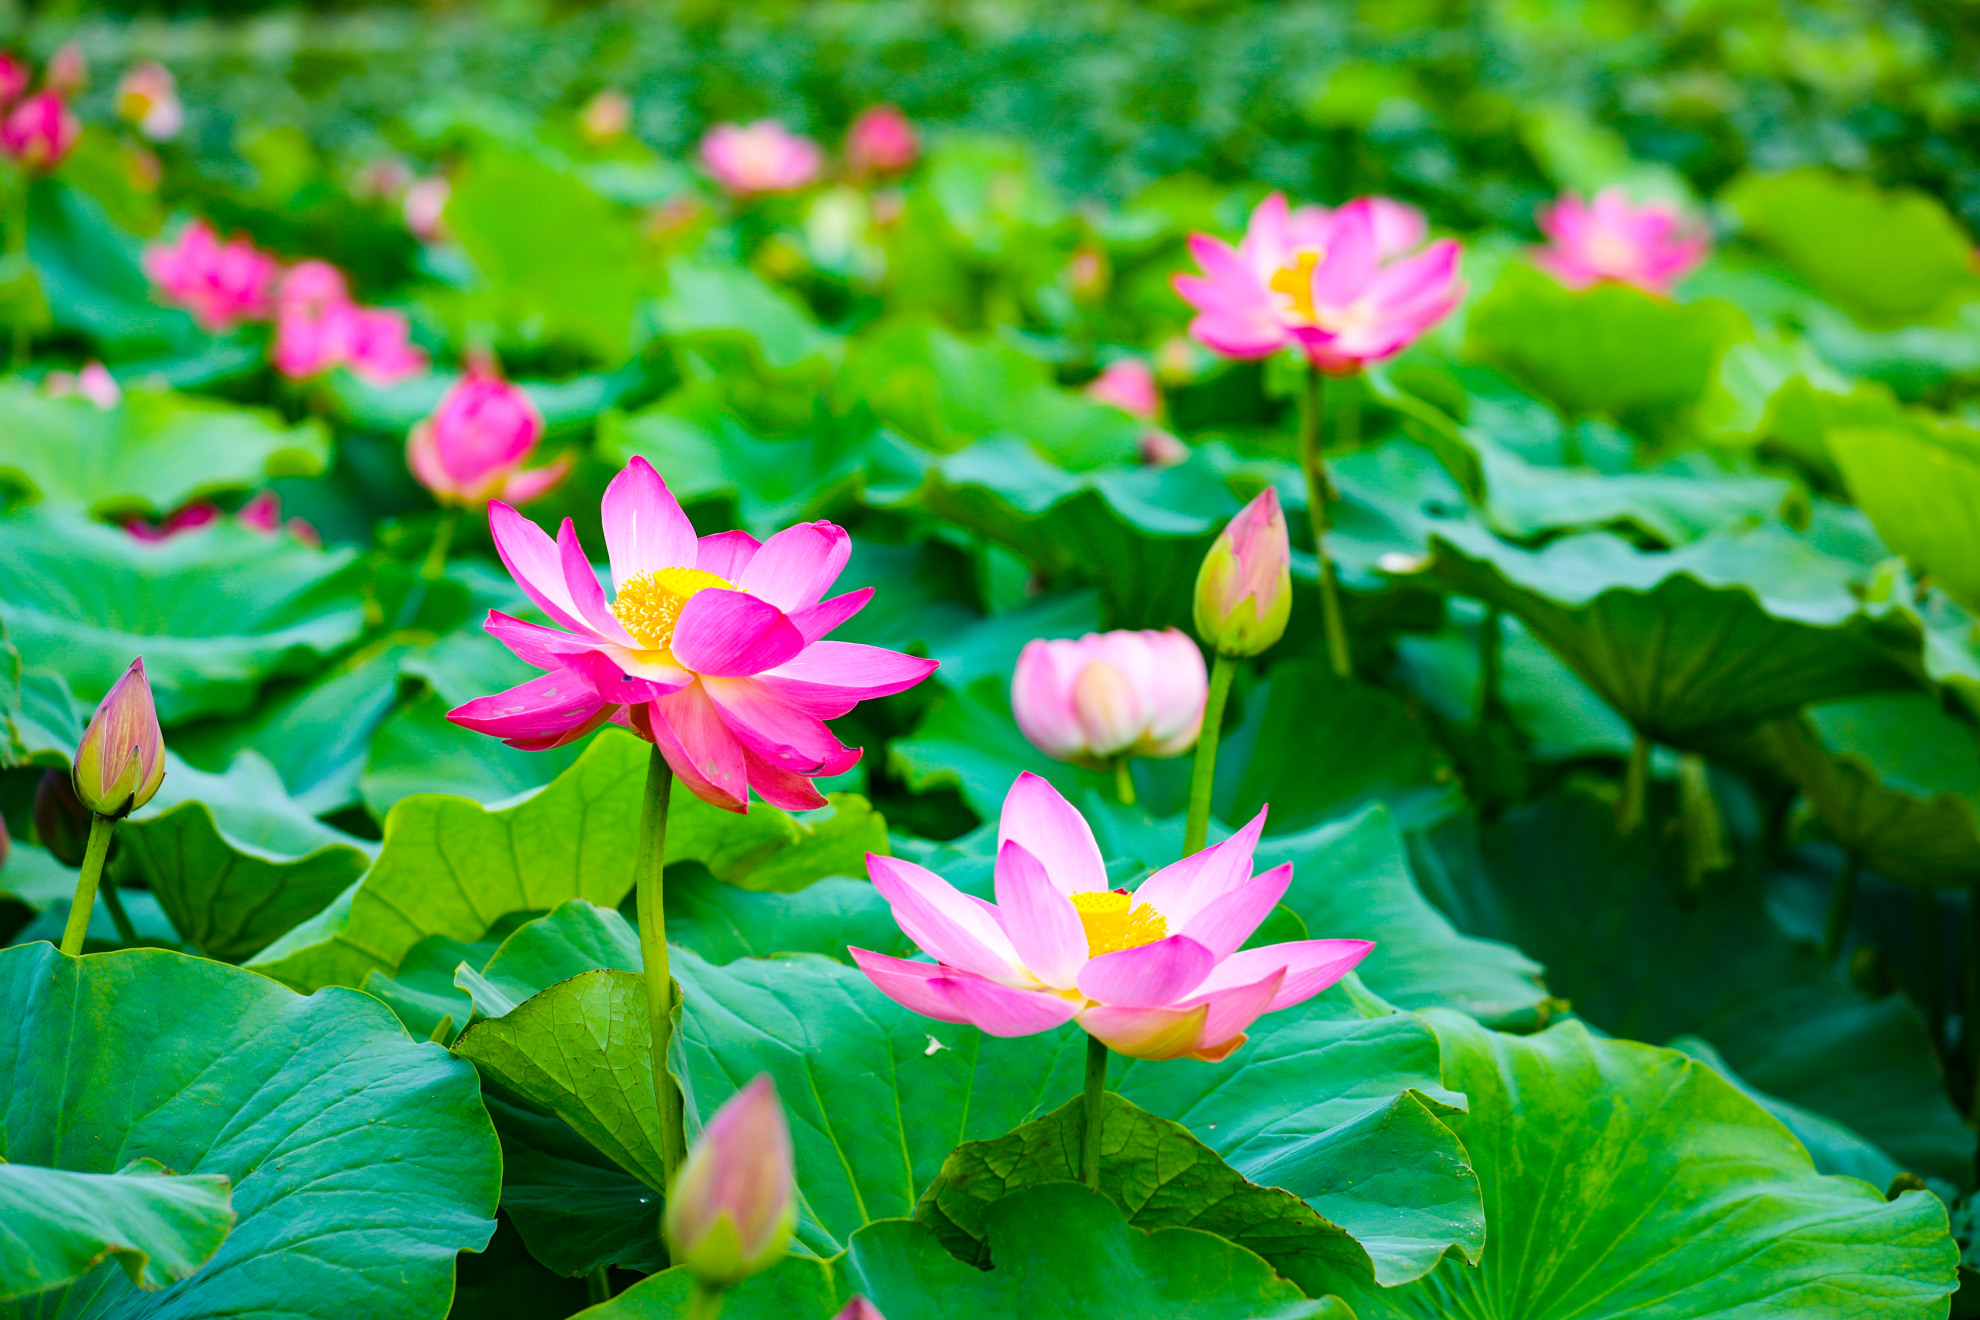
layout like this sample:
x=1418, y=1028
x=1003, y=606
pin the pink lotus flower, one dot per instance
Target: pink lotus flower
x=712, y=648
x=425, y=208
x=14, y=79
x=1321, y=284
x=1154, y=974
x=859, y=1309
x=881, y=141
x=148, y=96
x=763, y=157
x=94, y=382
x=312, y=337
x=1110, y=695
x=311, y=286
x=40, y=131
x=379, y=348
x=221, y=284
x=473, y=447
x=1128, y=384
x=1400, y=228
x=68, y=70
x=1650, y=246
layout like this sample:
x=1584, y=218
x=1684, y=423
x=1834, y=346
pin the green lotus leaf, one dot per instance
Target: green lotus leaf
x=160, y=1227
x=1918, y=482
x=333, y=1128
x=418, y=750
x=42, y=723
x=215, y=612
x=90, y=266
x=714, y=301
x=565, y=405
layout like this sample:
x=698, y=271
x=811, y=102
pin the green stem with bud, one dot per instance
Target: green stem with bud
x=1094, y=1111
x=1203, y=774
x=704, y=1303
x=1123, y=782
x=1318, y=491
x=100, y=828
x=660, y=993
x=443, y=539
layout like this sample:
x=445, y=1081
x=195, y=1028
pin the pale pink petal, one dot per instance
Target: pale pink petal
x=1224, y=923
x=942, y=921
x=1181, y=889
x=1000, y=1010
x=1150, y=975
x=1223, y=264
x=1042, y=923
x=814, y=621
x=533, y=483
x=830, y=678
x=1037, y=816
x=645, y=529
x=1233, y=1009
x=1042, y=698
x=586, y=595
x=908, y=984
x=797, y=565
x=1270, y=235
x=689, y=732
x=1310, y=967
x=1146, y=1033
x=781, y=788
x=1349, y=264
x=733, y=634
x=726, y=554
x=545, y=706
x=777, y=731
x=534, y=562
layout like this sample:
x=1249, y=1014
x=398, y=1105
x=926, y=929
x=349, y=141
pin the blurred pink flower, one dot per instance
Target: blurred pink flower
x=713, y=648
x=1652, y=246
x=40, y=131
x=1400, y=228
x=859, y=1309
x=380, y=349
x=606, y=117
x=1161, y=449
x=148, y=96
x=312, y=337
x=68, y=70
x=15, y=76
x=425, y=208
x=763, y=157
x=201, y=514
x=1128, y=384
x=472, y=449
x=311, y=286
x=1320, y=284
x=881, y=141
x=94, y=382
x=1153, y=974
x=264, y=514
x=382, y=179
x=221, y=284
x=1110, y=695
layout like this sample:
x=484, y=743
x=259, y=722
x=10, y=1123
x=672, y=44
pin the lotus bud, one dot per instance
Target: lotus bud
x=473, y=447
x=606, y=117
x=14, y=78
x=39, y=132
x=733, y=1204
x=61, y=821
x=121, y=759
x=1244, y=589
x=859, y=1309
x=881, y=141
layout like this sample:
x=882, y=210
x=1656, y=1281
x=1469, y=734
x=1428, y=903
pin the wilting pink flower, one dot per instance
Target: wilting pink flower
x=763, y=157
x=733, y=1204
x=120, y=761
x=1155, y=974
x=881, y=141
x=1651, y=246
x=14, y=78
x=1244, y=588
x=1129, y=385
x=1321, y=285
x=94, y=382
x=39, y=131
x=472, y=449
x=68, y=70
x=221, y=284
x=425, y=208
x=148, y=96
x=712, y=648
x=606, y=117
x=1110, y=695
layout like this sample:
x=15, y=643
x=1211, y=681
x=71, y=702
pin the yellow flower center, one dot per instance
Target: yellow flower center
x=1296, y=280
x=1114, y=921
x=649, y=604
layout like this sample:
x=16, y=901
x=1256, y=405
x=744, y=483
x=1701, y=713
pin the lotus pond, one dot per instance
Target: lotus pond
x=878, y=661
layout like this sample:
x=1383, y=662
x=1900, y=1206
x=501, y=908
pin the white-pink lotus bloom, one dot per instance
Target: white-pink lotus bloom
x=713, y=648
x=1652, y=246
x=1154, y=974
x=763, y=157
x=148, y=96
x=1110, y=695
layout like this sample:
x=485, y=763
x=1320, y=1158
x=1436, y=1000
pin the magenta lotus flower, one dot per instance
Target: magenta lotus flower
x=859, y=1309
x=262, y=513
x=1651, y=246
x=713, y=648
x=313, y=337
x=40, y=131
x=1128, y=384
x=1110, y=695
x=880, y=142
x=1155, y=974
x=221, y=284
x=311, y=286
x=763, y=157
x=473, y=447
x=148, y=96
x=1321, y=284
x=14, y=78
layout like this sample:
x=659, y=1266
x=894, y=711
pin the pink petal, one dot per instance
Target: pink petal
x=1000, y=1010
x=942, y=921
x=548, y=705
x=726, y=554
x=1427, y=275
x=909, y=984
x=782, y=788
x=532, y=483
x=1151, y=975
x=607, y=714
x=1349, y=264
x=534, y=562
x=733, y=634
x=586, y=595
x=1310, y=967
x=1042, y=923
x=1224, y=923
x=814, y=621
x=1037, y=816
x=534, y=644
x=797, y=565
x=1223, y=264
x=776, y=731
x=689, y=732
x=1146, y=1033
x=1181, y=889
x=830, y=678
x=613, y=684
x=644, y=526
x=1235, y=1008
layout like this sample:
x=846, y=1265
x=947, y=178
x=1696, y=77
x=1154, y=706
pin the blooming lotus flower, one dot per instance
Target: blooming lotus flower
x=712, y=649
x=373, y=342
x=1128, y=384
x=68, y=70
x=474, y=445
x=1154, y=974
x=311, y=286
x=221, y=284
x=606, y=117
x=14, y=79
x=1650, y=246
x=1400, y=228
x=1244, y=589
x=94, y=382
x=734, y=1202
x=1322, y=285
x=425, y=208
x=763, y=157
x=881, y=141
x=1110, y=695
x=39, y=132
x=120, y=761
x=148, y=96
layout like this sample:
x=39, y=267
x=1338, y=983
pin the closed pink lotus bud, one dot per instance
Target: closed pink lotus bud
x=14, y=78
x=1129, y=385
x=1244, y=589
x=39, y=132
x=68, y=70
x=1110, y=695
x=733, y=1204
x=606, y=117
x=148, y=96
x=121, y=760
x=859, y=1309
x=1650, y=246
x=94, y=382
x=763, y=157
x=425, y=208
x=221, y=284
x=881, y=141
x=472, y=448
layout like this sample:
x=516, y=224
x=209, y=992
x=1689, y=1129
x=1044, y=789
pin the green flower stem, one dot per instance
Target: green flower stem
x=1931, y=964
x=100, y=828
x=1841, y=899
x=443, y=540
x=1488, y=664
x=1197, y=828
x=1318, y=491
x=704, y=1303
x=1636, y=787
x=660, y=992
x=1972, y=1010
x=597, y=1287
x=17, y=247
x=1123, y=782
x=113, y=900
x=1095, y=1111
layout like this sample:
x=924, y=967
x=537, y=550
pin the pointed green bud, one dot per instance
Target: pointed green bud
x=1244, y=589
x=121, y=760
x=733, y=1203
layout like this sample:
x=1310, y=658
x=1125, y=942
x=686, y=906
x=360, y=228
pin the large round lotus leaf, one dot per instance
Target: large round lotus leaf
x=361, y=1162
x=1921, y=485
x=1627, y=1180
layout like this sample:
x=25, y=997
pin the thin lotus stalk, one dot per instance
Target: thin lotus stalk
x=113, y=903
x=1094, y=1111
x=100, y=829
x=443, y=540
x=1634, y=803
x=1123, y=782
x=1203, y=774
x=704, y=1303
x=1318, y=492
x=597, y=1287
x=649, y=880
x=1841, y=900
